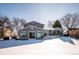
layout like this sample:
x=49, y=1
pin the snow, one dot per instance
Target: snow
x=55, y=45
x=1, y=38
x=13, y=43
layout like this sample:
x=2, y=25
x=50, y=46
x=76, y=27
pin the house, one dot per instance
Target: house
x=73, y=32
x=54, y=31
x=57, y=31
x=32, y=30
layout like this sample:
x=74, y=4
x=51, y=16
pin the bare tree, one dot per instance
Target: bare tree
x=5, y=21
x=50, y=24
x=70, y=21
x=18, y=23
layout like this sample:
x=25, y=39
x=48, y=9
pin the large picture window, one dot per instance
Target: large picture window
x=23, y=34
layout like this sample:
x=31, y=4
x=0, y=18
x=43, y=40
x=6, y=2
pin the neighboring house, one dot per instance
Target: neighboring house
x=58, y=31
x=32, y=30
x=73, y=32
x=54, y=31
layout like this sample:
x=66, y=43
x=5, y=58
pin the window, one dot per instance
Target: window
x=23, y=34
x=39, y=34
x=51, y=32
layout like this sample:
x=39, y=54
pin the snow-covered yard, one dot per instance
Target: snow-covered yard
x=54, y=45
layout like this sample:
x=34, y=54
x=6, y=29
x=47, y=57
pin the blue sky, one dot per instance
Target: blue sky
x=38, y=12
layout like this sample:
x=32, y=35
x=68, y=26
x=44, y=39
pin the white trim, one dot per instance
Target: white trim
x=33, y=26
x=31, y=31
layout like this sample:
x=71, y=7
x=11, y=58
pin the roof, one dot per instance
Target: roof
x=74, y=29
x=53, y=28
x=34, y=23
x=32, y=28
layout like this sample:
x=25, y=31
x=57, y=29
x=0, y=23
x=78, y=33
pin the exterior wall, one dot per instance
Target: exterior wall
x=51, y=32
x=32, y=28
x=46, y=31
x=37, y=33
x=55, y=32
x=73, y=32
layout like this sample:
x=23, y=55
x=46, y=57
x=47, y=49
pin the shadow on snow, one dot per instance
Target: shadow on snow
x=12, y=43
x=67, y=39
x=63, y=38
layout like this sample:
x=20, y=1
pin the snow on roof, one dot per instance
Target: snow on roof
x=53, y=29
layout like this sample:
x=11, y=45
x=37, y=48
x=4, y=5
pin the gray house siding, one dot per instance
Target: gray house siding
x=36, y=34
x=32, y=30
x=34, y=24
